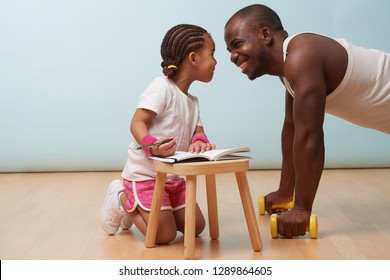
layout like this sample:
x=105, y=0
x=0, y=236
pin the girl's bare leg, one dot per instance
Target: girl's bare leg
x=200, y=221
x=166, y=231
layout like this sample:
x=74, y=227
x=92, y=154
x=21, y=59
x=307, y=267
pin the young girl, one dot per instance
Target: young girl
x=166, y=112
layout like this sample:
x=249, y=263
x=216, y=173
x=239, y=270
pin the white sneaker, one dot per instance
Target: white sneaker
x=126, y=222
x=112, y=211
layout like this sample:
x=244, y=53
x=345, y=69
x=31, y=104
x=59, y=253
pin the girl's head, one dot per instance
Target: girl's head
x=181, y=41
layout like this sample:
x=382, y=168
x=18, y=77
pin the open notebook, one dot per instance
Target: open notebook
x=217, y=154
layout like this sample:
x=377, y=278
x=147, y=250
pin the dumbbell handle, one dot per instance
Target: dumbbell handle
x=287, y=205
x=312, y=228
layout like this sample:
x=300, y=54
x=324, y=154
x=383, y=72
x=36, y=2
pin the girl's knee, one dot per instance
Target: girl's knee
x=200, y=222
x=200, y=226
x=165, y=236
x=167, y=230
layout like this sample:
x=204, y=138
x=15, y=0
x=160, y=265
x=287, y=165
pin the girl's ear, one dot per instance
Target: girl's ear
x=192, y=58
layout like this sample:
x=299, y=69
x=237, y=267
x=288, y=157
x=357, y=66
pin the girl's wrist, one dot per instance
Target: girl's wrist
x=147, y=140
x=202, y=138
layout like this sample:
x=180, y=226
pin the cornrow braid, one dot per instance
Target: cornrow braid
x=177, y=43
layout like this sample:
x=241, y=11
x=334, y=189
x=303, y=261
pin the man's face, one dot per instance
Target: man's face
x=246, y=48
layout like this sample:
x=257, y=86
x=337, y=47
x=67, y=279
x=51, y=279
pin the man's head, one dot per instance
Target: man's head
x=259, y=16
x=249, y=37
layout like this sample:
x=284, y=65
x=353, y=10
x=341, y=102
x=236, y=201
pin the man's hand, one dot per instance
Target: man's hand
x=293, y=223
x=276, y=198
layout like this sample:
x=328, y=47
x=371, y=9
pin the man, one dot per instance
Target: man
x=321, y=74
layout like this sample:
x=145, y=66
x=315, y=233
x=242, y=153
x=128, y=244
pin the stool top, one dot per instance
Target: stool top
x=202, y=167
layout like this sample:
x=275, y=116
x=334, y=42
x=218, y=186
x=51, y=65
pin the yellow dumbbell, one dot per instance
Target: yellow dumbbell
x=287, y=205
x=312, y=228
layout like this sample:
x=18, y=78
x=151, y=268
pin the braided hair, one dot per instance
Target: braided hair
x=177, y=43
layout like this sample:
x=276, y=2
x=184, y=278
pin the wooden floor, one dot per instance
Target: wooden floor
x=56, y=216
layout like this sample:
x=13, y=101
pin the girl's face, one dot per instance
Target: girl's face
x=206, y=61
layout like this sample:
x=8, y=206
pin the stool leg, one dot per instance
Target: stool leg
x=249, y=211
x=151, y=231
x=212, y=206
x=190, y=218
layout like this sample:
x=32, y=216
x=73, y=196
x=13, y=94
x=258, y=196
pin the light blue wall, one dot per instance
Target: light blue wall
x=71, y=73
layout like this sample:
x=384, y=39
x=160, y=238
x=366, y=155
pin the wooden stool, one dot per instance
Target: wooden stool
x=209, y=169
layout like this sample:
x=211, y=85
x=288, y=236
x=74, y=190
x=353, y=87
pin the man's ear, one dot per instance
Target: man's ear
x=266, y=35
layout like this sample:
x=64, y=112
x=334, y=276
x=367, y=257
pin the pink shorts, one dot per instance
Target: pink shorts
x=141, y=193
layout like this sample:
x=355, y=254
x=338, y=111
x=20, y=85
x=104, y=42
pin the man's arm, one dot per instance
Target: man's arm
x=308, y=147
x=287, y=178
x=305, y=72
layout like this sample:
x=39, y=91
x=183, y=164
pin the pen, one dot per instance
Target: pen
x=154, y=144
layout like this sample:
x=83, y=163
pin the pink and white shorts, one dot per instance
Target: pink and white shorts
x=141, y=193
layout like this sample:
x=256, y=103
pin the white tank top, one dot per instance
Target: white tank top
x=363, y=96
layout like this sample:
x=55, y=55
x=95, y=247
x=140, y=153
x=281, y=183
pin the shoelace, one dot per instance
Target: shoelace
x=116, y=219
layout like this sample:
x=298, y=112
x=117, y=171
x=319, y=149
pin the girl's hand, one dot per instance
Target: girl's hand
x=166, y=149
x=200, y=147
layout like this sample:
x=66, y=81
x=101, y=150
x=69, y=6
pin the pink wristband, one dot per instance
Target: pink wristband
x=201, y=138
x=147, y=140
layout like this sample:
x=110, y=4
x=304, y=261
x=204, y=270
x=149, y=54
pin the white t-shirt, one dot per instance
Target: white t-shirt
x=177, y=116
